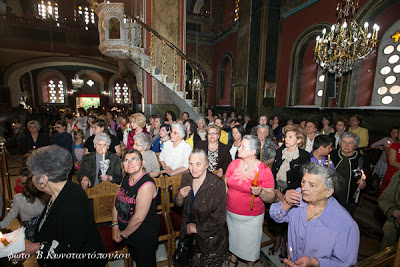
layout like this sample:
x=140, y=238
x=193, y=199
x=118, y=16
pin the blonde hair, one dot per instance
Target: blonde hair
x=139, y=119
x=300, y=133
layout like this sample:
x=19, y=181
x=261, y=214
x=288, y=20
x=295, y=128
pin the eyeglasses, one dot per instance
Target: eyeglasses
x=126, y=161
x=101, y=145
x=212, y=133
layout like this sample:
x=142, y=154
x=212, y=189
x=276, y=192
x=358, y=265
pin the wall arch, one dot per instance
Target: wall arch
x=42, y=78
x=225, y=72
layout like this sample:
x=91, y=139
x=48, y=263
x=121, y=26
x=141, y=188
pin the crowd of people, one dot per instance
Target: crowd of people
x=307, y=178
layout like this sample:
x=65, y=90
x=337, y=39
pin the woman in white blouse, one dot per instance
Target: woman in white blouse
x=174, y=158
x=29, y=204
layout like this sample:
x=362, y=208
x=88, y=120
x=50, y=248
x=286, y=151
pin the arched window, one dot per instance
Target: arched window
x=84, y=15
x=47, y=9
x=225, y=80
x=121, y=93
x=55, y=91
x=387, y=75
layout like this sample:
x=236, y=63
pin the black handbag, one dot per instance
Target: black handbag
x=184, y=253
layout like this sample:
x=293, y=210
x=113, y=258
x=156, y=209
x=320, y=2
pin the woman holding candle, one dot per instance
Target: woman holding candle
x=34, y=139
x=384, y=145
x=245, y=224
x=321, y=232
x=134, y=216
x=287, y=173
x=203, y=197
x=326, y=126
x=66, y=226
x=90, y=174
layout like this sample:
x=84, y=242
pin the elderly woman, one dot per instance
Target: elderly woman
x=237, y=136
x=287, y=173
x=341, y=126
x=138, y=125
x=218, y=153
x=174, y=158
x=311, y=131
x=67, y=224
x=90, y=172
x=203, y=197
x=245, y=224
x=201, y=128
x=321, y=232
x=143, y=144
x=62, y=138
x=34, y=139
x=134, y=215
x=389, y=202
x=100, y=126
x=268, y=152
x=350, y=164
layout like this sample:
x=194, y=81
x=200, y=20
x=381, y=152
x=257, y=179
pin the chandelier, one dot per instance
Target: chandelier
x=346, y=44
x=76, y=82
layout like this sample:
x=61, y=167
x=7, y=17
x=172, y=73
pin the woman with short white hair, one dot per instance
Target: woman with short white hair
x=174, y=158
x=143, y=144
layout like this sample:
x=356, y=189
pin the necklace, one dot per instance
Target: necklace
x=315, y=215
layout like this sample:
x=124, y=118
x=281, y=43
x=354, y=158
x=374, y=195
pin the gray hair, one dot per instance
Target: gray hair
x=263, y=126
x=254, y=143
x=201, y=119
x=144, y=139
x=328, y=177
x=181, y=128
x=102, y=137
x=53, y=161
x=34, y=123
x=350, y=135
x=202, y=153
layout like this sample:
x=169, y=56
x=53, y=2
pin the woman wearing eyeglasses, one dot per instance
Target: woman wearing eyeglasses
x=135, y=218
x=90, y=173
x=218, y=153
x=61, y=137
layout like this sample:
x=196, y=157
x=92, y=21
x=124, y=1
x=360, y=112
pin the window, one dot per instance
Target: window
x=386, y=85
x=121, y=94
x=55, y=90
x=84, y=15
x=47, y=9
x=237, y=10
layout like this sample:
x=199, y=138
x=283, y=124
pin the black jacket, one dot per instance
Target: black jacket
x=294, y=175
x=88, y=168
x=70, y=222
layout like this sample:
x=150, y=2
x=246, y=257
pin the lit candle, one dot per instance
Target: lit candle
x=252, y=195
x=290, y=254
x=329, y=159
x=3, y=240
x=323, y=132
x=34, y=147
x=388, y=143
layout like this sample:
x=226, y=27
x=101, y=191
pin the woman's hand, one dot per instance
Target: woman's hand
x=279, y=196
x=184, y=192
x=191, y=229
x=116, y=234
x=105, y=177
x=292, y=197
x=85, y=183
x=220, y=172
x=303, y=262
x=168, y=170
x=256, y=190
x=396, y=214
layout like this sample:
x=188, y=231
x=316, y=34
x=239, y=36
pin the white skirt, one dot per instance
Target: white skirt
x=245, y=233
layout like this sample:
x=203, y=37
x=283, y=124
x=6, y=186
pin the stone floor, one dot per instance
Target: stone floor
x=368, y=217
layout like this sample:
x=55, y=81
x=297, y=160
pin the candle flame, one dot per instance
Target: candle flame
x=363, y=177
x=291, y=249
x=1, y=235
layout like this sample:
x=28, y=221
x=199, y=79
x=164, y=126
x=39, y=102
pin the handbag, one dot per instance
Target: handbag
x=184, y=253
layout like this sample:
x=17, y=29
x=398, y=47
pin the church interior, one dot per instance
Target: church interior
x=255, y=57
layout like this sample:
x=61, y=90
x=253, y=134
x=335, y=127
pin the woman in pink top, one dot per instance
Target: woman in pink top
x=244, y=224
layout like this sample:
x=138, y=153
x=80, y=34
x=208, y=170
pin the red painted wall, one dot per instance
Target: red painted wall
x=227, y=99
x=229, y=13
x=292, y=27
x=309, y=77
